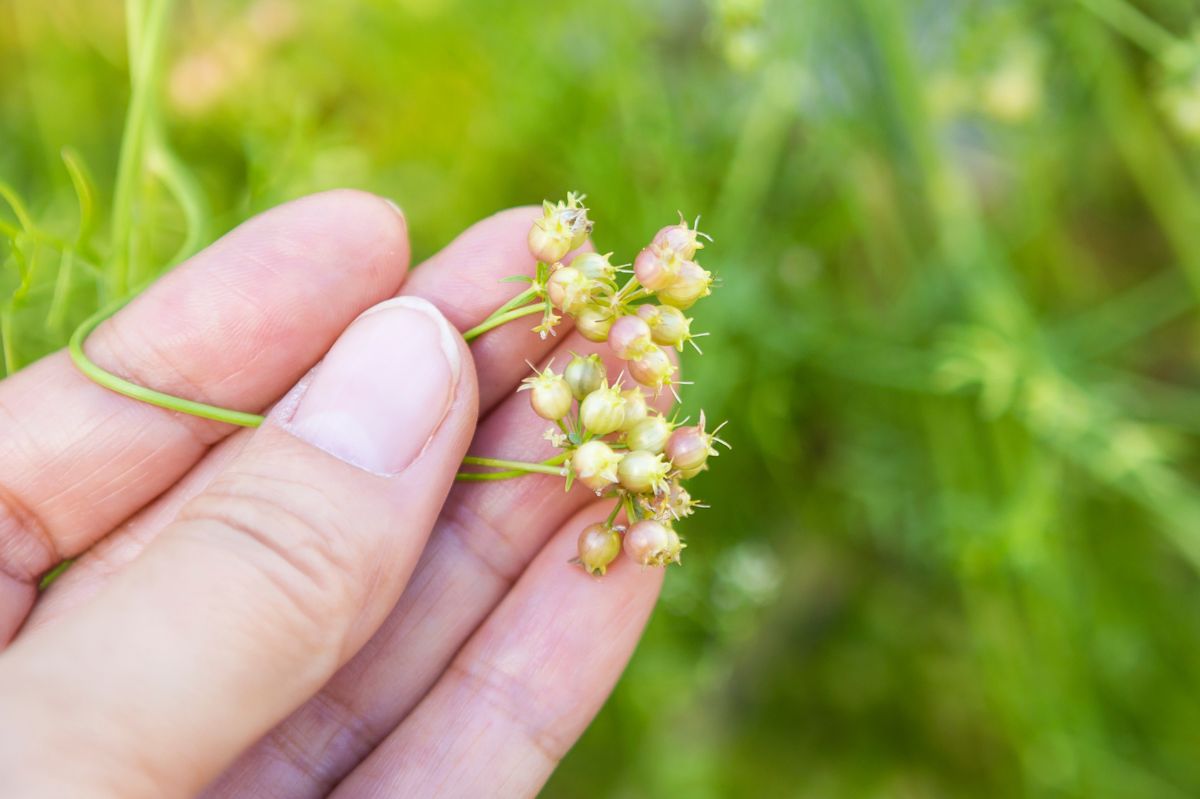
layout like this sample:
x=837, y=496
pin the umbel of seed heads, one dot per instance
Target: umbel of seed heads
x=612, y=441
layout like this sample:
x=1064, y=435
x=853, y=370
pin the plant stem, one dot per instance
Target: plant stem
x=113, y=383
x=552, y=466
x=479, y=477
x=149, y=36
x=522, y=298
x=628, y=290
x=496, y=321
x=1133, y=24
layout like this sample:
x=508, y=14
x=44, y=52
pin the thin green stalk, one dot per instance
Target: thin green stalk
x=480, y=477
x=187, y=193
x=6, y=339
x=626, y=292
x=1133, y=24
x=552, y=466
x=522, y=298
x=496, y=321
x=141, y=393
x=149, y=36
x=62, y=287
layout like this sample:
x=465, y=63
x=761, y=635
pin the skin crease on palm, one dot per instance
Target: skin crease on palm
x=312, y=608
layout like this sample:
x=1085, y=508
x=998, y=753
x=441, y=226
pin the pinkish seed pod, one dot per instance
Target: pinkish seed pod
x=549, y=395
x=594, y=266
x=643, y=472
x=602, y=411
x=668, y=325
x=655, y=269
x=650, y=434
x=688, y=448
x=593, y=322
x=650, y=543
x=636, y=408
x=584, y=375
x=599, y=546
x=654, y=369
x=679, y=239
x=595, y=465
x=691, y=283
x=569, y=290
x=629, y=338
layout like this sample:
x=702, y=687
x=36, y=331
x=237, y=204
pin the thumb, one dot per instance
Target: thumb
x=265, y=583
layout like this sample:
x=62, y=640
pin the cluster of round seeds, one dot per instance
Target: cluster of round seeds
x=612, y=440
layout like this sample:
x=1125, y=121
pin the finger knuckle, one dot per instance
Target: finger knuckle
x=294, y=538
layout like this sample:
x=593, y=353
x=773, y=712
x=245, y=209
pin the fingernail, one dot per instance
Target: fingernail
x=395, y=206
x=384, y=389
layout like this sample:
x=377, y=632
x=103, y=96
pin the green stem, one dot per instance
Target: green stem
x=612, y=517
x=187, y=193
x=141, y=393
x=6, y=341
x=1133, y=24
x=480, y=477
x=149, y=45
x=522, y=298
x=552, y=466
x=62, y=287
x=496, y=321
x=627, y=291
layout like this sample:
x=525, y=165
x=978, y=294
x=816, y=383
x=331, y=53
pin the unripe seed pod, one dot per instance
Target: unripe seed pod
x=548, y=244
x=636, y=408
x=569, y=290
x=584, y=375
x=602, y=411
x=655, y=269
x=650, y=543
x=599, y=546
x=563, y=226
x=668, y=325
x=691, y=283
x=595, y=465
x=643, y=472
x=654, y=369
x=594, y=266
x=593, y=322
x=650, y=434
x=551, y=397
x=680, y=239
x=688, y=448
x=629, y=338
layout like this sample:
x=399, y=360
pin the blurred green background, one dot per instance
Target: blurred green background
x=955, y=549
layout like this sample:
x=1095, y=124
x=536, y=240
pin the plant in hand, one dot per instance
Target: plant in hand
x=608, y=437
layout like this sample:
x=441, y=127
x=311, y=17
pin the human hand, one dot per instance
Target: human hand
x=311, y=607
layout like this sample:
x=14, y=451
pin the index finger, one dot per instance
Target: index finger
x=237, y=324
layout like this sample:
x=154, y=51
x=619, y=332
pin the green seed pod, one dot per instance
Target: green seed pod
x=643, y=472
x=602, y=411
x=584, y=375
x=650, y=434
